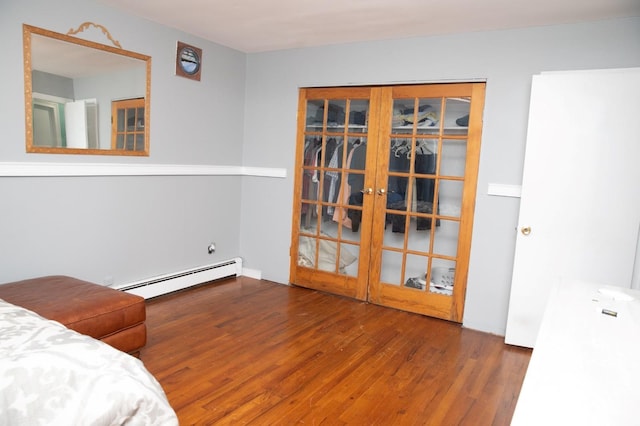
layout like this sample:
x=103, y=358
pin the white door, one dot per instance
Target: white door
x=75, y=115
x=580, y=206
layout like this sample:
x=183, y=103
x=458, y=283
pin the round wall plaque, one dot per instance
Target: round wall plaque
x=188, y=61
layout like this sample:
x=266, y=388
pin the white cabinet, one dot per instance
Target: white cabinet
x=584, y=369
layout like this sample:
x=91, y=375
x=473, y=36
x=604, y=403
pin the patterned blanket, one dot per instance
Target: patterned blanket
x=50, y=375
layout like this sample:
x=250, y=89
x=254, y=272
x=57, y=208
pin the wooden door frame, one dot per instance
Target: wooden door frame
x=441, y=306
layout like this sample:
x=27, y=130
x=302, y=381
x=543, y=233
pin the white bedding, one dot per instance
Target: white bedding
x=51, y=375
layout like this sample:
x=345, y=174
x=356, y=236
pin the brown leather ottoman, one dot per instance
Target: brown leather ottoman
x=113, y=316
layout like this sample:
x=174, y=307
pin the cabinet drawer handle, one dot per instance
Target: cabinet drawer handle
x=381, y=191
x=367, y=191
x=526, y=230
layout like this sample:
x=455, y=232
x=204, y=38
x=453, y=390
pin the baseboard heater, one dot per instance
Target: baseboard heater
x=168, y=283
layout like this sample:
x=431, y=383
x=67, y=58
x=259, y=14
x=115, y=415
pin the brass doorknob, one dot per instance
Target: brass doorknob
x=381, y=191
x=526, y=230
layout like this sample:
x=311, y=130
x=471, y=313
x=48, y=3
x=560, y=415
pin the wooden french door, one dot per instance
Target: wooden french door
x=385, y=192
x=330, y=249
x=128, y=130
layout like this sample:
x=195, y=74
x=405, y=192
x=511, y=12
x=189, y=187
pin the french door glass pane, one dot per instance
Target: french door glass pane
x=328, y=255
x=121, y=120
x=456, y=118
x=349, y=254
x=139, y=141
x=454, y=156
x=445, y=241
x=419, y=241
x=442, y=276
x=358, y=114
x=335, y=114
x=131, y=119
x=139, y=126
x=390, y=272
x=416, y=271
x=392, y=239
x=450, y=197
x=422, y=202
x=395, y=226
x=130, y=142
x=307, y=247
x=400, y=155
x=315, y=115
x=308, y=221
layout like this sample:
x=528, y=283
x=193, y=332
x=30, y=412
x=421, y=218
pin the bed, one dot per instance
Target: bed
x=51, y=375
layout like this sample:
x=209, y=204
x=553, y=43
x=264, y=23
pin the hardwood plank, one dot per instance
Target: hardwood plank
x=242, y=351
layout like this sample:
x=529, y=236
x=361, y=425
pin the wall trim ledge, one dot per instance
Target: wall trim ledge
x=36, y=169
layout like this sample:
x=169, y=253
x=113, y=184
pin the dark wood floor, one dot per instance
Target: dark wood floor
x=243, y=351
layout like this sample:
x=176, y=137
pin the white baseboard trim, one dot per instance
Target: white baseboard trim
x=42, y=169
x=252, y=273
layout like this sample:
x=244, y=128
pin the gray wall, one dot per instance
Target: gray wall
x=51, y=84
x=506, y=59
x=124, y=228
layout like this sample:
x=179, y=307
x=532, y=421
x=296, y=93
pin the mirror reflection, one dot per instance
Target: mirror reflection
x=83, y=97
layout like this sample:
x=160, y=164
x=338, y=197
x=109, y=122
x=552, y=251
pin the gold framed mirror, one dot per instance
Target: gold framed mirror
x=84, y=97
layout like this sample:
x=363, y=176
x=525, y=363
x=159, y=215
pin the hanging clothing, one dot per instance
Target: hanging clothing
x=424, y=188
x=340, y=213
x=356, y=182
x=332, y=178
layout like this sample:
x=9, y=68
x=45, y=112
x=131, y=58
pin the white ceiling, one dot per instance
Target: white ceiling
x=264, y=25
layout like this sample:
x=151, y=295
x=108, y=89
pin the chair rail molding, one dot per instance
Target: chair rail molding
x=42, y=169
